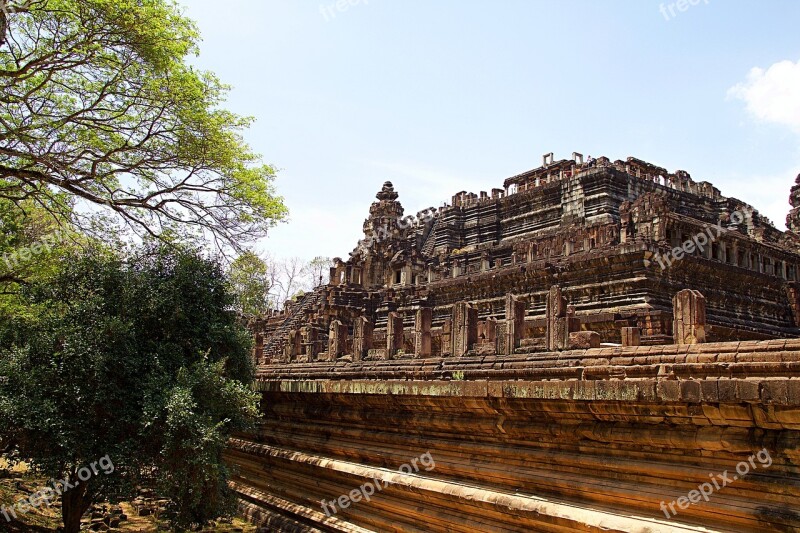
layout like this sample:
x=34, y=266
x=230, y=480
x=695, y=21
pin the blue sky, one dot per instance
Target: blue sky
x=440, y=96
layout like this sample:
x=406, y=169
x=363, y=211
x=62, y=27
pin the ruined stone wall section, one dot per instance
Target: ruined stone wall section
x=602, y=233
x=582, y=440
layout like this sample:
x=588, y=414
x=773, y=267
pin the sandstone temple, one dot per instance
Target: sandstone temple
x=596, y=345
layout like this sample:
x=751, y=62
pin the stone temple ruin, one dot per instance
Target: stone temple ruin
x=579, y=351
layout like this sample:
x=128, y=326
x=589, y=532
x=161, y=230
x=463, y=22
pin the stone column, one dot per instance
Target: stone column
x=465, y=327
x=793, y=294
x=631, y=337
x=337, y=340
x=258, y=350
x=308, y=338
x=447, y=337
x=362, y=338
x=689, y=317
x=293, y=346
x=422, y=332
x=491, y=332
x=394, y=335
x=557, y=323
x=515, y=319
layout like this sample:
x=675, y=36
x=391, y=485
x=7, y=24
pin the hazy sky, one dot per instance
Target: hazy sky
x=442, y=96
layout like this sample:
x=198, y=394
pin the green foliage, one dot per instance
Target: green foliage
x=193, y=474
x=319, y=270
x=99, y=107
x=31, y=244
x=250, y=279
x=138, y=358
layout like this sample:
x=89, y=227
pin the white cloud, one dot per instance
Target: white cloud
x=772, y=95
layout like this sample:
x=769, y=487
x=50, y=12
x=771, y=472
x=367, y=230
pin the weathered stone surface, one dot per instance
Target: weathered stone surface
x=422, y=332
x=337, y=340
x=583, y=340
x=556, y=311
x=515, y=321
x=533, y=425
x=689, y=309
x=573, y=225
x=362, y=338
x=394, y=335
x=529, y=422
x=631, y=337
x=465, y=328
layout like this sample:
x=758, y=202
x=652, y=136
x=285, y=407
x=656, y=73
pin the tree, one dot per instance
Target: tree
x=318, y=271
x=292, y=277
x=250, y=279
x=31, y=243
x=287, y=280
x=138, y=361
x=100, y=113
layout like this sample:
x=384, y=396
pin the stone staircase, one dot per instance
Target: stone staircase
x=430, y=242
x=273, y=348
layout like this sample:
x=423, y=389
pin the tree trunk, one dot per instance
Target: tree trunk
x=74, y=504
x=3, y=23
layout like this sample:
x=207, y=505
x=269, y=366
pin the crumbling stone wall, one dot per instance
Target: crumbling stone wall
x=605, y=233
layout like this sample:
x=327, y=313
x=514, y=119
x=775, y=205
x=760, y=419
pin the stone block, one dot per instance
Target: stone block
x=631, y=337
x=422, y=332
x=395, y=338
x=362, y=338
x=583, y=340
x=689, y=317
x=669, y=390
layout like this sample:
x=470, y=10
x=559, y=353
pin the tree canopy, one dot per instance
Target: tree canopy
x=138, y=359
x=100, y=114
x=250, y=279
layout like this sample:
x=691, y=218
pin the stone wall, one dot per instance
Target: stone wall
x=583, y=440
x=487, y=333
x=606, y=233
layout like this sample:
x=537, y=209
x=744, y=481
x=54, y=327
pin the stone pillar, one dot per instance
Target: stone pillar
x=293, y=346
x=362, y=338
x=337, y=340
x=422, y=332
x=557, y=323
x=394, y=335
x=689, y=317
x=308, y=338
x=573, y=322
x=491, y=332
x=515, y=319
x=631, y=337
x=447, y=337
x=793, y=294
x=258, y=350
x=465, y=327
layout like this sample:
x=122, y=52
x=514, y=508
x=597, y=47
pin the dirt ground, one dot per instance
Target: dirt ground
x=47, y=520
